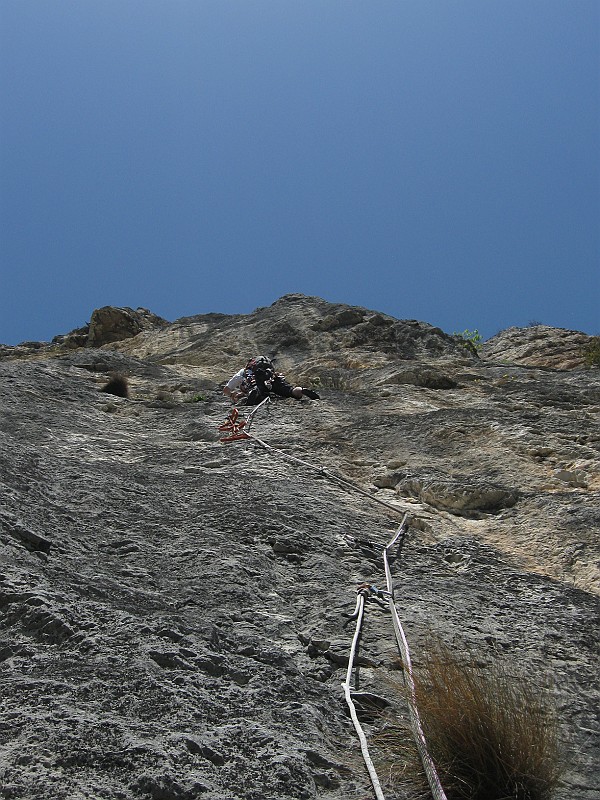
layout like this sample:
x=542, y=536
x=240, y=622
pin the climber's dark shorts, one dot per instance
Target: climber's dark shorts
x=279, y=386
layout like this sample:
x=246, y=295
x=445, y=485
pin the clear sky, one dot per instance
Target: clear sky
x=432, y=159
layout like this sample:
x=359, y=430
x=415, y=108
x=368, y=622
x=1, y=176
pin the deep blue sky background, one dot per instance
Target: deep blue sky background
x=432, y=159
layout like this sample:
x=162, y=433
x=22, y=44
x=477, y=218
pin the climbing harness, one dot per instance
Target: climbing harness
x=240, y=429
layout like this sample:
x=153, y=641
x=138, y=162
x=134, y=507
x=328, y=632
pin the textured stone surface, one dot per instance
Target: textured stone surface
x=537, y=346
x=172, y=609
x=110, y=324
x=460, y=496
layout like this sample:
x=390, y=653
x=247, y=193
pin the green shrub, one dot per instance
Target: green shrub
x=591, y=352
x=196, y=398
x=471, y=340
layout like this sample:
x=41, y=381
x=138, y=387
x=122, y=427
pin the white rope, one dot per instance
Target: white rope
x=359, y=611
x=430, y=771
x=326, y=473
x=320, y=470
x=419, y=736
x=250, y=416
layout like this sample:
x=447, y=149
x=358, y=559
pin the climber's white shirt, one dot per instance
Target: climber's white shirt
x=236, y=381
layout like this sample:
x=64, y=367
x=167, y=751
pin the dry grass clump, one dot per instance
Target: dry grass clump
x=491, y=736
x=117, y=385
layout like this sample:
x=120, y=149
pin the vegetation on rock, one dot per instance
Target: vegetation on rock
x=117, y=385
x=591, y=352
x=492, y=734
x=472, y=340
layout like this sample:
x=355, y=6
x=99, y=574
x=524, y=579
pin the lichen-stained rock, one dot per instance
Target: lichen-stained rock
x=538, y=346
x=459, y=496
x=112, y=324
x=342, y=319
x=425, y=377
x=74, y=339
x=186, y=631
x=295, y=331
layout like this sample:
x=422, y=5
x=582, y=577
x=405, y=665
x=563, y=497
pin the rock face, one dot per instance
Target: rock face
x=461, y=497
x=172, y=608
x=538, y=346
x=110, y=324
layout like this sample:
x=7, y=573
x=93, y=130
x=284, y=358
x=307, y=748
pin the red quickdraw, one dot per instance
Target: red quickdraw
x=234, y=426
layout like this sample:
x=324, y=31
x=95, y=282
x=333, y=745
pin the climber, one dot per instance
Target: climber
x=258, y=380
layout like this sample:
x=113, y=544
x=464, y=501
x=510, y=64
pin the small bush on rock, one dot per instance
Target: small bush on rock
x=196, y=398
x=472, y=340
x=591, y=352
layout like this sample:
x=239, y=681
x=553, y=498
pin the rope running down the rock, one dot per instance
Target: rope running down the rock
x=326, y=474
x=430, y=771
x=428, y=765
x=359, y=612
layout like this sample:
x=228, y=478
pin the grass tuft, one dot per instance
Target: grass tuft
x=196, y=398
x=117, y=385
x=491, y=736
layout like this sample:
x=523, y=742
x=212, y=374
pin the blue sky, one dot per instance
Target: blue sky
x=432, y=159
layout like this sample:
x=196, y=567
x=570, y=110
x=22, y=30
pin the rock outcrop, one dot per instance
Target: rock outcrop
x=538, y=346
x=172, y=609
x=110, y=324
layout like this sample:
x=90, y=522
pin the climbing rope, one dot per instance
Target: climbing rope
x=358, y=614
x=240, y=430
x=363, y=592
x=325, y=473
x=430, y=771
